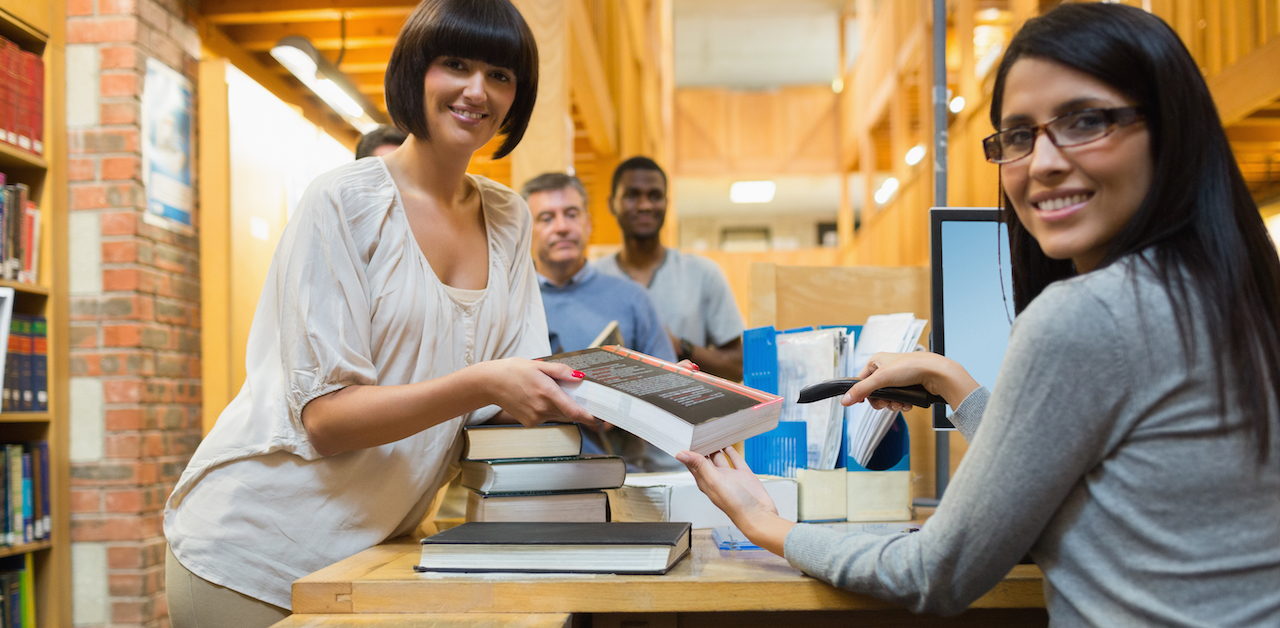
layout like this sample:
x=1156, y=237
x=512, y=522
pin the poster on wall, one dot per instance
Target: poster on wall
x=166, y=148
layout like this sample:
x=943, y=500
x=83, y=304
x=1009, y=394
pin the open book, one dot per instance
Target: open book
x=610, y=335
x=671, y=407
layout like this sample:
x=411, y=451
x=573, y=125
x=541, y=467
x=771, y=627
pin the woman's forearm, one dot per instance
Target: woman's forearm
x=357, y=417
x=767, y=531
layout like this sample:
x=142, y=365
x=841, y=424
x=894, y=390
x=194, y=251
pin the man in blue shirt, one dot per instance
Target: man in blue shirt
x=581, y=302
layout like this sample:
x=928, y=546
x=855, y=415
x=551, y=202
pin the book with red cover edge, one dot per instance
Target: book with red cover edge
x=37, y=104
x=8, y=93
x=22, y=120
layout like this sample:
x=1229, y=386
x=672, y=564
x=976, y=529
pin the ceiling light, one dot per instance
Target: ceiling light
x=752, y=191
x=988, y=15
x=957, y=104
x=300, y=58
x=915, y=154
x=886, y=190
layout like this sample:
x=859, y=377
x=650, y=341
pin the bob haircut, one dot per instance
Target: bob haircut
x=1199, y=225
x=492, y=31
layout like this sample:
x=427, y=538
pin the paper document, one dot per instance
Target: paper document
x=806, y=358
x=891, y=333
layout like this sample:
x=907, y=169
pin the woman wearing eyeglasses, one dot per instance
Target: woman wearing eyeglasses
x=1130, y=444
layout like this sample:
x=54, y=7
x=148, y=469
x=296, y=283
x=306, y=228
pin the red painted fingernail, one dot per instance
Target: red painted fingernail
x=696, y=367
x=579, y=374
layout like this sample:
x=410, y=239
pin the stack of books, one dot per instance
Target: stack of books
x=536, y=474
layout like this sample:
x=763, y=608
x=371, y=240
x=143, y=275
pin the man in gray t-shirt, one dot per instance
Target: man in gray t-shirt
x=691, y=294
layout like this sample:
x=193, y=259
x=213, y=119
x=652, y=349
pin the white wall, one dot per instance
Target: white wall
x=275, y=153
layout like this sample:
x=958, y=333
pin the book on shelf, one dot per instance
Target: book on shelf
x=675, y=496
x=519, y=475
x=17, y=587
x=24, y=486
x=610, y=335
x=589, y=506
x=618, y=548
x=671, y=407
x=11, y=341
x=13, y=467
x=21, y=97
x=39, y=361
x=484, y=442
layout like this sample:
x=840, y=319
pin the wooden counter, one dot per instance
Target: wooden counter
x=382, y=580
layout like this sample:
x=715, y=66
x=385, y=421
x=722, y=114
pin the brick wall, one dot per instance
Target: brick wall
x=135, y=315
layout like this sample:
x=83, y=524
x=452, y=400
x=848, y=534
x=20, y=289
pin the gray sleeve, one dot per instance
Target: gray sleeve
x=1060, y=394
x=724, y=321
x=967, y=417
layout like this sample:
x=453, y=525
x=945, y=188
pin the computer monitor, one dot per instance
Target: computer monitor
x=972, y=293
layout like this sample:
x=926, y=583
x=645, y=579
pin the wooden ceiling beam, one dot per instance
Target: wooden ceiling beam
x=309, y=15
x=216, y=43
x=588, y=84
x=1253, y=133
x=373, y=33
x=1249, y=84
x=258, y=12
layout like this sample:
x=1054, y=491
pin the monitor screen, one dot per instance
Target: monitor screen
x=972, y=293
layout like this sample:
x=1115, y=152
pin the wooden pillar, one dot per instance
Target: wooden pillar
x=218, y=385
x=548, y=143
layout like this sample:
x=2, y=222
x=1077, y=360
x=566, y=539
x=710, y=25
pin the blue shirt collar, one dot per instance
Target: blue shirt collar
x=578, y=278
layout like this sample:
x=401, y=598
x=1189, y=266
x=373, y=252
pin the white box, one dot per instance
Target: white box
x=676, y=497
x=823, y=495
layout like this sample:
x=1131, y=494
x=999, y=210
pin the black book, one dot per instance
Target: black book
x=621, y=548
x=673, y=408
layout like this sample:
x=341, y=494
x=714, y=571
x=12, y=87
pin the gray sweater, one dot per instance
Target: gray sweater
x=1097, y=453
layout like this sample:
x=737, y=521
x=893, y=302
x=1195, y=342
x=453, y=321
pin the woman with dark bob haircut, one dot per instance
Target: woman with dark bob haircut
x=1130, y=444
x=400, y=306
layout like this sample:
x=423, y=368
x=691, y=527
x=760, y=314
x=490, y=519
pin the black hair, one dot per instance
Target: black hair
x=384, y=135
x=548, y=181
x=1206, y=240
x=634, y=163
x=492, y=31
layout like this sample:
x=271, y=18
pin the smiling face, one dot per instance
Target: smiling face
x=561, y=228
x=1074, y=200
x=466, y=101
x=640, y=203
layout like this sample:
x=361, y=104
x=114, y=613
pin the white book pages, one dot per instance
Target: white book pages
x=806, y=358
x=894, y=333
x=882, y=332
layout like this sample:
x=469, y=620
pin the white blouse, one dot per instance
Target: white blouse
x=349, y=300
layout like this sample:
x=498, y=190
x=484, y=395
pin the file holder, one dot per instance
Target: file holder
x=881, y=491
x=782, y=450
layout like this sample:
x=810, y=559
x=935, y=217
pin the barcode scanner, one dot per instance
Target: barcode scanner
x=915, y=395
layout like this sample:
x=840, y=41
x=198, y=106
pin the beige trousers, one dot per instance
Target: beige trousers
x=197, y=603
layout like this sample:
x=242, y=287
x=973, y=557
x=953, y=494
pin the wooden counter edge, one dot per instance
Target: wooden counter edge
x=329, y=590
x=415, y=620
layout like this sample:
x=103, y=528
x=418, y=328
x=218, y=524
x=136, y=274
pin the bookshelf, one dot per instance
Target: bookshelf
x=39, y=26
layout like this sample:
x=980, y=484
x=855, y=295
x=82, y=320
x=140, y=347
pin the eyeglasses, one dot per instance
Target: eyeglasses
x=1072, y=129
